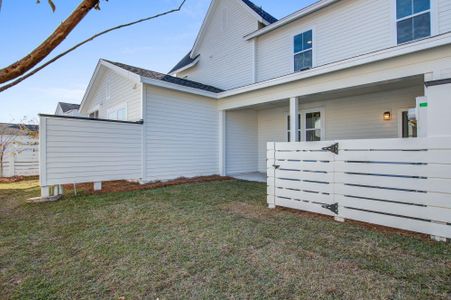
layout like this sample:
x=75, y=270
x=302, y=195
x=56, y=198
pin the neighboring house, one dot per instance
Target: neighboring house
x=349, y=69
x=67, y=109
x=19, y=148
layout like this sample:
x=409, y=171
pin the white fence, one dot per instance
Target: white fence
x=21, y=158
x=401, y=183
x=79, y=150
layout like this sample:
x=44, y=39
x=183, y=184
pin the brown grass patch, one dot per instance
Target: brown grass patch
x=128, y=186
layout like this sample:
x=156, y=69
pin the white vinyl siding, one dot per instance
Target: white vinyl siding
x=356, y=117
x=110, y=90
x=241, y=141
x=181, y=135
x=78, y=151
x=343, y=30
x=226, y=58
x=444, y=15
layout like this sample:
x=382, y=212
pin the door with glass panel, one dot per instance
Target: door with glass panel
x=311, y=125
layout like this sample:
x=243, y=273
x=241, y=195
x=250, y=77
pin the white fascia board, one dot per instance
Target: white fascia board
x=202, y=27
x=177, y=87
x=91, y=82
x=392, y=52
x=188, y=66
x=292, y=17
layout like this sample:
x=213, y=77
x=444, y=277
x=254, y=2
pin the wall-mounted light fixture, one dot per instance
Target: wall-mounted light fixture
x=387, y=116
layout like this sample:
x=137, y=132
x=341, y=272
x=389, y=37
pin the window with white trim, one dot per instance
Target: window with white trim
x=118, y=113
x=311, y=125
x=413, y=20
x=303, y=51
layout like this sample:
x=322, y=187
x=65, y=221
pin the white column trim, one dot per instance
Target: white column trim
x=294, y=121
x=222, y=142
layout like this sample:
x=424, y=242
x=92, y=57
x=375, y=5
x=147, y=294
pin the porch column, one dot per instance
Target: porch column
x=294, y=121
x=222, y=142
x=438, y=95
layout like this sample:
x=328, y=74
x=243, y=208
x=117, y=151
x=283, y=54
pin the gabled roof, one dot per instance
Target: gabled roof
x=261, y=12
x=185, y=62
x=166, y=78
x=258, y=12
x=65, y=107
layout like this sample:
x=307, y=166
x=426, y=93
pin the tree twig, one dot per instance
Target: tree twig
x=31, y=73
x=26, y=63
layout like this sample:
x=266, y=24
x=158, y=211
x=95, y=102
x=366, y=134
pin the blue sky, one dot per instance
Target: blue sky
x=155, y=45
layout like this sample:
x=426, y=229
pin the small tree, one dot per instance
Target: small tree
x=10, y=139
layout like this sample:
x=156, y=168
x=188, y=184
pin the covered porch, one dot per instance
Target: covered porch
x=372, y=111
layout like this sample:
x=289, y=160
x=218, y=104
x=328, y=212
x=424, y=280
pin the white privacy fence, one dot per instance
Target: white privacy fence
x=401, y=183
x=21, y=158
x=79, y=150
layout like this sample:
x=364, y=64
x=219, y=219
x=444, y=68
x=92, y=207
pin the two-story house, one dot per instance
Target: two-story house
x=337, y=69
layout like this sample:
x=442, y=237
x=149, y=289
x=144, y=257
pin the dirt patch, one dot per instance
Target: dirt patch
x=17, y=179
x=127, y=186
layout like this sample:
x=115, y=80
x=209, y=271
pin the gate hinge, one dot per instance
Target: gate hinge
x=332, y=207
x=276, y=166
x=333, y=148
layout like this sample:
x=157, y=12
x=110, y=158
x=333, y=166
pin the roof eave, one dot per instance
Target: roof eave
x=177, y=87
x=188, y=66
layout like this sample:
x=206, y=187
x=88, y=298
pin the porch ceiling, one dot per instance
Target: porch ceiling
x=391, y=85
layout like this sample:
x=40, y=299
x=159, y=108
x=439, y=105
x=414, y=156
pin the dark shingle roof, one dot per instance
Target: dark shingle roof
x=186, y=60
x=68, y=106
x=167, y=78
x=12, y=126
x=262, y=13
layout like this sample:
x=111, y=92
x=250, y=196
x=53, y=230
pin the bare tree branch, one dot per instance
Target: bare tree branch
x=43, y=50
x=31, y=73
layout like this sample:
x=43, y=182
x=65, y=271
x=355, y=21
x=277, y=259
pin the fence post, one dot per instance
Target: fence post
x=271, y=174
x=12, y=165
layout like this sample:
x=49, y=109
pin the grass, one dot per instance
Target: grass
x=207, y=240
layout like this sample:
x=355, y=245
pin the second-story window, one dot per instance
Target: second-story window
x=303, y=51
x=413, y=20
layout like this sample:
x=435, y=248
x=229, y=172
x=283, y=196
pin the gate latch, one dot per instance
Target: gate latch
x=332, y=207
x=333, y=148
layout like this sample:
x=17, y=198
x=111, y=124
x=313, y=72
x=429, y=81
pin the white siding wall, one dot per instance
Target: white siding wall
x=343, y=30
x=122, y=90
x=226, y=59
x=444, y=16
x=357, y=117
x=182, y=135
x=241, y=141
x=76, y=151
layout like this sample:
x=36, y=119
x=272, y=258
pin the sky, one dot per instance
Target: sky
x=156, y=45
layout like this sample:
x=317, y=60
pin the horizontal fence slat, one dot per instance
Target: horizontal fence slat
x=401, y=183
x=427, y=213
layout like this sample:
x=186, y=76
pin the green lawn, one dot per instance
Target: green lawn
x=210, y=240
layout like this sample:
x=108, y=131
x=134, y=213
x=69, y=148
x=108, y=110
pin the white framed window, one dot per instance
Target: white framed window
x=311, y=125
x=118, y=112
x=413, y=20
x=406, y=128
x=303, y=51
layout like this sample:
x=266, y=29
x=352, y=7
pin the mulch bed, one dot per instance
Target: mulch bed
x=17, y=179
x=127, y=186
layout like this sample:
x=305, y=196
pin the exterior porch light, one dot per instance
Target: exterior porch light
x=387, y=116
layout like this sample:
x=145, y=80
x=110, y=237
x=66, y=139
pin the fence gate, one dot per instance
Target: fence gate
x=401, y=183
